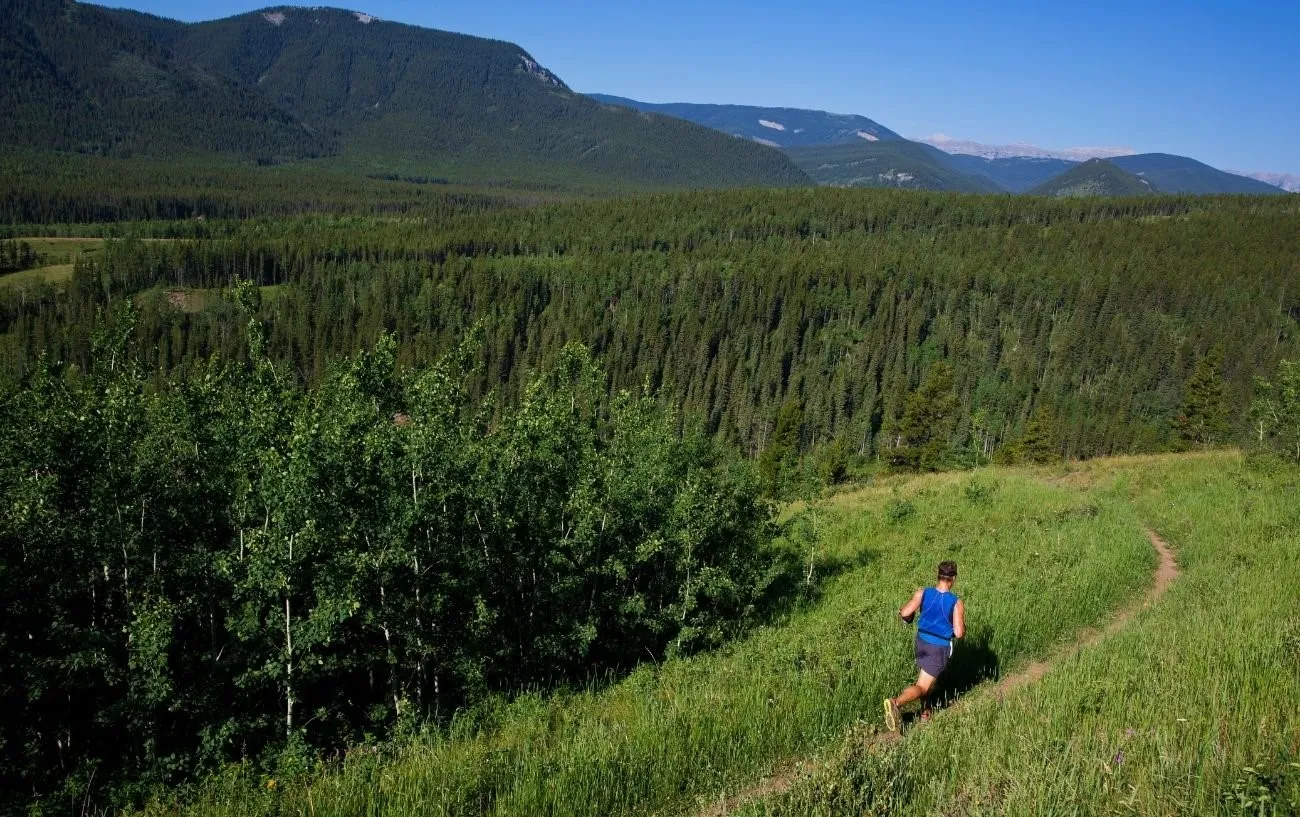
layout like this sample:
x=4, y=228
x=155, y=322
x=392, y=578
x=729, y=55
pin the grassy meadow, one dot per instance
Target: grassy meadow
x=49, y=274
x=63, y=249
x=679, y=735
x=58, y=255
x=1193, y=708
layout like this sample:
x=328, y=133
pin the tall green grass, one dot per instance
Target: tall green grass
x=1193, y=708
x=678, y=734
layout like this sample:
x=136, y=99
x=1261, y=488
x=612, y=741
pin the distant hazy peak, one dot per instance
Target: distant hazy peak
x=1286, y=181
x=966, y=147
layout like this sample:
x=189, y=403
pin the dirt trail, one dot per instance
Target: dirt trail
x=1167, y=571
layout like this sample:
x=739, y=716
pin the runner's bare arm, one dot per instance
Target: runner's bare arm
x=908, y=610
x=959, y=619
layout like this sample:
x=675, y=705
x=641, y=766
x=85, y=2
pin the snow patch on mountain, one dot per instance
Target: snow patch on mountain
x=870, y=137
x=365, y=19
x=1018, y=149
x=1286, y=181
x=275, y=18
x=767, y=123
x=767, y=142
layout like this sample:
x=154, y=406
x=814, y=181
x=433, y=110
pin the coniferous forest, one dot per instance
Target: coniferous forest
x=280, y=485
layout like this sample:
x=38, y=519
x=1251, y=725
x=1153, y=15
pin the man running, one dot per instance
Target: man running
x=943, y=618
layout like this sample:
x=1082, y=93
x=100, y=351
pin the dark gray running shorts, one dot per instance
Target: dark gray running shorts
x=931, y=658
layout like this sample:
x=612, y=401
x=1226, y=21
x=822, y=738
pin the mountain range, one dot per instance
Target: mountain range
x=291, y=83
x=1286, y=181
x=1021, y=150
x=774, y=127
x=896, y=163
x=844, y=157
x=1095, y=177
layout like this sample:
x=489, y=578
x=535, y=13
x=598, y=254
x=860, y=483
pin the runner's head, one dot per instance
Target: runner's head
x=947, y=570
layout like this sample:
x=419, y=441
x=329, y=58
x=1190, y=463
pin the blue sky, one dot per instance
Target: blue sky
x=1216, y=81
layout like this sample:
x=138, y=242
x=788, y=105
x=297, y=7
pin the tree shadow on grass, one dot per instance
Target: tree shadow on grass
x=790, y=587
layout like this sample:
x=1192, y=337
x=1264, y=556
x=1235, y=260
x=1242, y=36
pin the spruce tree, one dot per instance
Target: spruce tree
x=780, y=458
x=929, y=417
x=1203, y=418
x=1041, y=442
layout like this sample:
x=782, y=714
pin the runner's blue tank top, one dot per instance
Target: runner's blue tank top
x=935, y=625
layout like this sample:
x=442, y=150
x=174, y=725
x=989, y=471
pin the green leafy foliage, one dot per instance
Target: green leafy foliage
x=1272, y=790
x=1275, y=412
x=223, y=564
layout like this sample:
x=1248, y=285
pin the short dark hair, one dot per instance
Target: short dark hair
x=948, y=569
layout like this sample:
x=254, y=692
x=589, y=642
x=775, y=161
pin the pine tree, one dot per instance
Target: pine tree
x=929, y=418
x=1203, y=418
x=781, y=457
x=1041, y=442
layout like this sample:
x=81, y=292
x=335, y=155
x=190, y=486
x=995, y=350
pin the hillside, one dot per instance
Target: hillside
x=818, y=331
x=777, y=127
x=1179, y=174
x=294, y=82
x=898, y=164
x=80, y=78
x=1018, y=174
x=1095, y=177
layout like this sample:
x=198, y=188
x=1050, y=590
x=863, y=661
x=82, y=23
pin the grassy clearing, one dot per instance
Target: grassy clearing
x=53, y=274
x=57, y=258
x=680, y=734
x=67, y=248
x=1191, y=709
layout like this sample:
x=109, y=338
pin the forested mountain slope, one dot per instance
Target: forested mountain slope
x=804, y=131
x=1095, y=177
x=1179, y=174
x=81, y=78
x=294, y=82
x=784, y=127
x=898, y=164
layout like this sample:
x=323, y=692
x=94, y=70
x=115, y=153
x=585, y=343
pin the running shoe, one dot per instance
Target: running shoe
x=893, y=717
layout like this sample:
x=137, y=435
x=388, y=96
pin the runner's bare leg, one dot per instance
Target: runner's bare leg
x=917, y=691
